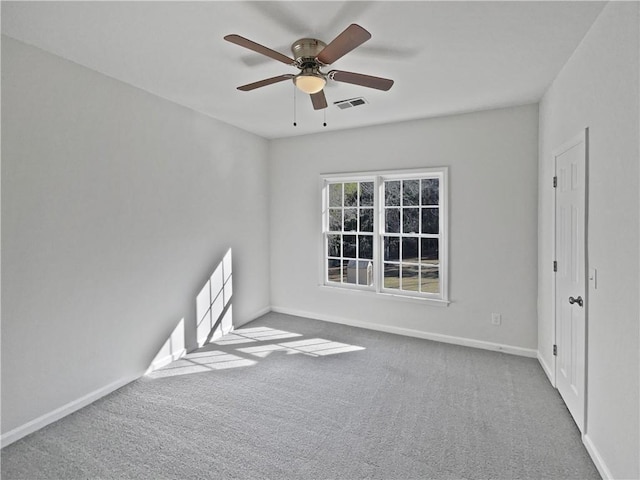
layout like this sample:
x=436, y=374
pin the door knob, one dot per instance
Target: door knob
x=578, y=300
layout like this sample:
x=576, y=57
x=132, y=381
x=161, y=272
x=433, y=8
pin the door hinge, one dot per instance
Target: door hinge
x=555, y=266
x=555, y=182
x=555, y=350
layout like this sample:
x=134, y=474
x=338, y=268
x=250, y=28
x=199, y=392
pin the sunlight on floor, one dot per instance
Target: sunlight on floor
x=315, y=347
x=264, y=340
x=248, y=335
x=199, y=362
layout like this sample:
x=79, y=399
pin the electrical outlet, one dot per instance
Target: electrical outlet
x=496, y=319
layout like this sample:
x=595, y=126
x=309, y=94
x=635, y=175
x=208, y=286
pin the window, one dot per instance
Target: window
x=386, y=232
x=350, y=232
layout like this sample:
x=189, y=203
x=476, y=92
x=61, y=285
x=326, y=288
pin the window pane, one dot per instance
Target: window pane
x=360, y=272
x=366, y=194
x=392, y=193
x=429, y=280
x=392, y=220
x=410, y=249
x=391, y=275
x=335, y=219
x=335, y=195
x=366, y=219
x=349, y=246
x=333, y=245
x=430, y=193
x=350, y=194
x=391, y=248
x=365, y=247
x=333, y=270
x=430, y=220
x=429, y=250
x=410, y=277
x=345, y=273
x=410, y=220
x=411, y=192
x=350, y=219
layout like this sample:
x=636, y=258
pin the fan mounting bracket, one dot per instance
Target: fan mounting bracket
x=306, y=50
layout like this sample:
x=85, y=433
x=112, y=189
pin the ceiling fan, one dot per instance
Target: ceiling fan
x=310, y=56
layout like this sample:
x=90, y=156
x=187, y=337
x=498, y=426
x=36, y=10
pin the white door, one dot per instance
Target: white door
x=570, y=295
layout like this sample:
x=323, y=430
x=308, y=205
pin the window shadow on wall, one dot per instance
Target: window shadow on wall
x=214, y=305
x=173, y=348
x=214, y=316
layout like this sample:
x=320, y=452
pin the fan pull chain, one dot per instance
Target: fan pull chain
x=295, y=123
x=324, y=111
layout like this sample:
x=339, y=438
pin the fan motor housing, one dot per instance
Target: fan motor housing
x=306, y=50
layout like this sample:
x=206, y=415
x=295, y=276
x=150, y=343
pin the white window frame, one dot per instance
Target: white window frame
x=378, y=178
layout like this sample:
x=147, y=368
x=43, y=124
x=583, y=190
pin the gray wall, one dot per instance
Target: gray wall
x=492, y=160
x=116, y=207
x=598, y=88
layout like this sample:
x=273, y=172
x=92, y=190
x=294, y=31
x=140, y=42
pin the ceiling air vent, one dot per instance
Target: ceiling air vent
x=351, y=102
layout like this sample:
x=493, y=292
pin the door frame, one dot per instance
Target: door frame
x=583, y=136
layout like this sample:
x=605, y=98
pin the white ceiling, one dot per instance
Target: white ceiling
x=445, y=57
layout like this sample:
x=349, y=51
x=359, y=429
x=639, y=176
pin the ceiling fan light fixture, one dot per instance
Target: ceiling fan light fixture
x=309, y=56
x=309, y=82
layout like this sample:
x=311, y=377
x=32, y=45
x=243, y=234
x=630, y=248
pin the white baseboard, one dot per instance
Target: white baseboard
x=467, y=342
x=603, y=470
x=547, y=370
x=44, y=420
x=164, y=361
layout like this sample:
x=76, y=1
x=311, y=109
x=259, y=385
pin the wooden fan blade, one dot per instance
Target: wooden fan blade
x=360, y=79
x=265, y=82
x=353, y=36
x=256, y=47
x=319, y=100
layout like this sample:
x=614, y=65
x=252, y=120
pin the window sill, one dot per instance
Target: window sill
x=436, y=302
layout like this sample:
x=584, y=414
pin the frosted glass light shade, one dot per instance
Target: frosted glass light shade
x=310, y=83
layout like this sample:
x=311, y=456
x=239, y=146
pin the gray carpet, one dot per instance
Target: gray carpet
x=288, y=397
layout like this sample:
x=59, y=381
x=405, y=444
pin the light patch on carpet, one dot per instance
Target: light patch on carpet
x=200, y=362
x=314, y=347
x=249, y=335
x=213, y=360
